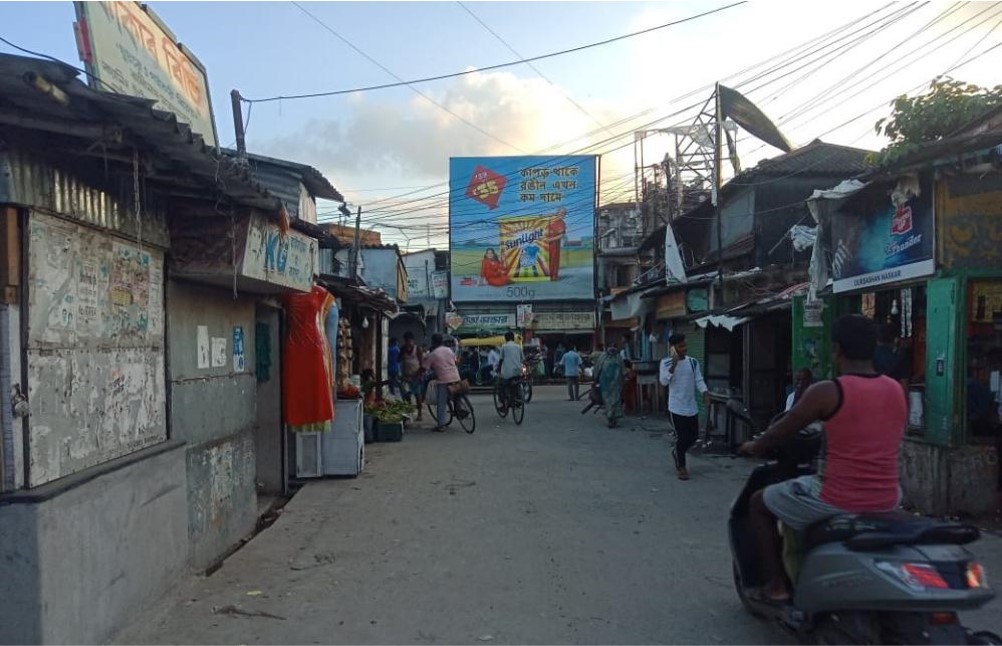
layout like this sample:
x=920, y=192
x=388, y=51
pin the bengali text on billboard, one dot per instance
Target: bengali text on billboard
x=522, y=228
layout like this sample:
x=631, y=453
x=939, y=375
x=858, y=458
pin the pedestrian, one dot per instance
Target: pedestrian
x=558, y=356
x=571, y=362
x=629, y=388
x=393, y=367
x=684, y=377
x=493, y=358
x=610, y=384
x=801, y=382
x=626, y=353
x=442, y=362
x=413, y=374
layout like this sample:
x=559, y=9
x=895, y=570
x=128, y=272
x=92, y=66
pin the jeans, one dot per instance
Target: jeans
x=441, y=402
x=394, y=383
x=572, y=388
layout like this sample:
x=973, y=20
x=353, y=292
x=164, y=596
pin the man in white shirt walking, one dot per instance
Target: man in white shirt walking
x=684, y=377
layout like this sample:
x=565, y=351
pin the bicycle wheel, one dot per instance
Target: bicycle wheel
x=464, y=413
x=526, y=388
x=499, y=405
x=518, y=405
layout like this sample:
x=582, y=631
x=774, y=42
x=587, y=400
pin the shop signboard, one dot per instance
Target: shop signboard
x=440, y=285
x=697, y=300
x=888, y=243
x=480, y=322
x=670, y=306
x=522, y=228
x=813, y=312
x=129, y=50
x=563, y=321
x=524, y=313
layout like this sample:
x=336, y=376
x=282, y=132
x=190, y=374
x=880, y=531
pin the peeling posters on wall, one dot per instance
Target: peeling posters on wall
x=239, y=358
x=218, y=351
x=202, y=345
x=95, y=348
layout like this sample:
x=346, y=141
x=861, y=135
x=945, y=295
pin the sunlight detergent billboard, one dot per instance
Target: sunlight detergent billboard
x=522, y=228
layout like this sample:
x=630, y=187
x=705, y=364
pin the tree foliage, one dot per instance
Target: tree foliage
x=946, y=107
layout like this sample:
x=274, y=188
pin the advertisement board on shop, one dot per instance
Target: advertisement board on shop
x=129, y=50
x=522, y=228
x=876, y=243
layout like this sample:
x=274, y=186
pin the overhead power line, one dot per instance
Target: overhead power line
x=384, y=86
x=410, y=85
x=535, y=69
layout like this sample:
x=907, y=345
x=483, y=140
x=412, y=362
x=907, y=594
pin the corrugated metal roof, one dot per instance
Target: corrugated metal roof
x=282, y=172
x=113, y=126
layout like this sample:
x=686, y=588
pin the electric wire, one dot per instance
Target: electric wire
x=497, y=66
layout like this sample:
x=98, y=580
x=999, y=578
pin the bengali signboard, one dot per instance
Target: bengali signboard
x=129, y=50
x=480, y=322
x=563, y=321
x=885, y=242
x=522, y=228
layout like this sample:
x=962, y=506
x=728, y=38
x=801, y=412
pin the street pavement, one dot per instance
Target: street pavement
x=560, y=531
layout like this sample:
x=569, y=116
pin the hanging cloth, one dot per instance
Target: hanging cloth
x=307, y=370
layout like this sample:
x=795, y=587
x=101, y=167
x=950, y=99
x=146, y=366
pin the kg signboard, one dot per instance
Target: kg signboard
x=522, y=228
x=129, y=50
x=885, y=241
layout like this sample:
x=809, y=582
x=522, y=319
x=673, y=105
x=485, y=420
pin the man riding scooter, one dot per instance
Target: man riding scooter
x=864, y=417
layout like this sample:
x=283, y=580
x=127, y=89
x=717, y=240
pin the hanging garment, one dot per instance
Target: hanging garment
x=307, y=370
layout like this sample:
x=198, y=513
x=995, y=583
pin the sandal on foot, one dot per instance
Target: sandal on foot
x=759, y=596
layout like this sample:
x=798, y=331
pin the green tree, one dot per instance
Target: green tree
x=946, y=107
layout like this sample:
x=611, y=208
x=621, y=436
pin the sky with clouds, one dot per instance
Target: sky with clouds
x=388, y=150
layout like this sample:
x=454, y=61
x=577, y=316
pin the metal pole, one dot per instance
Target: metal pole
x=717, y=169
x=238, y=123
x=353, y=262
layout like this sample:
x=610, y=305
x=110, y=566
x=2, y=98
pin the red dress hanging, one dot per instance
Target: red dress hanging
x=307, y=380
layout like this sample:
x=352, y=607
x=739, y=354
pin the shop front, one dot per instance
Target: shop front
x=912, y=252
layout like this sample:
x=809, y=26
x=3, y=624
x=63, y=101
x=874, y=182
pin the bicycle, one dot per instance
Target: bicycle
x=458, y=407
x=510, y=393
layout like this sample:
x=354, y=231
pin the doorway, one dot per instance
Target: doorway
x=272, y=448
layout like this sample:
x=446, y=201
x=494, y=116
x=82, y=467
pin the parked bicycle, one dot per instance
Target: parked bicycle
x=458, y=407
x=510, y=394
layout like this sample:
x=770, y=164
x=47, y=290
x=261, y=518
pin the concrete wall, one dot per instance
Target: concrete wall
x=939, y=480
x=213, y=409
x=80, y=562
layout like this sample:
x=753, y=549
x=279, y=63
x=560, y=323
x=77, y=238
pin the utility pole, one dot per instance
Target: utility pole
x=238, y=124
x=356, y=244
x=717, y=170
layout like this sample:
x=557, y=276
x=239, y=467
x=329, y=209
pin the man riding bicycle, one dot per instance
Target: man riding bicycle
x=442, y=362
x=510, y=366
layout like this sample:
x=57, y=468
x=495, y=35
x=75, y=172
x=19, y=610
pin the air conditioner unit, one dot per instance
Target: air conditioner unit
x=309, y=455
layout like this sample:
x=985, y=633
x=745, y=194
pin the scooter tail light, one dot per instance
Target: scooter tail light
x=976, y=576
x=943, y=618
x=918, y=576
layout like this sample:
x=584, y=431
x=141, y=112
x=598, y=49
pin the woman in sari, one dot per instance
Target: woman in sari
x=492, y=270
x=610, y=384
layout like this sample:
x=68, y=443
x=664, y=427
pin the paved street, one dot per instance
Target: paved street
x=559, y=531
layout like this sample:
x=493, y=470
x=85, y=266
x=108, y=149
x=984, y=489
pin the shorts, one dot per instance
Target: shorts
x=798, y=502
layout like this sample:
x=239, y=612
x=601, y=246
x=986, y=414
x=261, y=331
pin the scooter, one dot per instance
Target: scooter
x=881, y=578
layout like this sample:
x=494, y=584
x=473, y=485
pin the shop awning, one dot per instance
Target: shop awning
x=358, y=295
x=722, y=320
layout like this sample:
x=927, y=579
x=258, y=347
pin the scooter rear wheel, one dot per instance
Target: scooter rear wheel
x=739, y=587
x=985, y=637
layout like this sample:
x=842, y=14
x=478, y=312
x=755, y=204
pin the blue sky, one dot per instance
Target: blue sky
x=370, y=145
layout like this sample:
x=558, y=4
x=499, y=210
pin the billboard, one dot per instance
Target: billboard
x=885, y=242
x=130, y=51
x=522, y=228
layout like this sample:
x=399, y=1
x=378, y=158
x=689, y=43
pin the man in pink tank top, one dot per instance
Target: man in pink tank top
x=864, y=417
